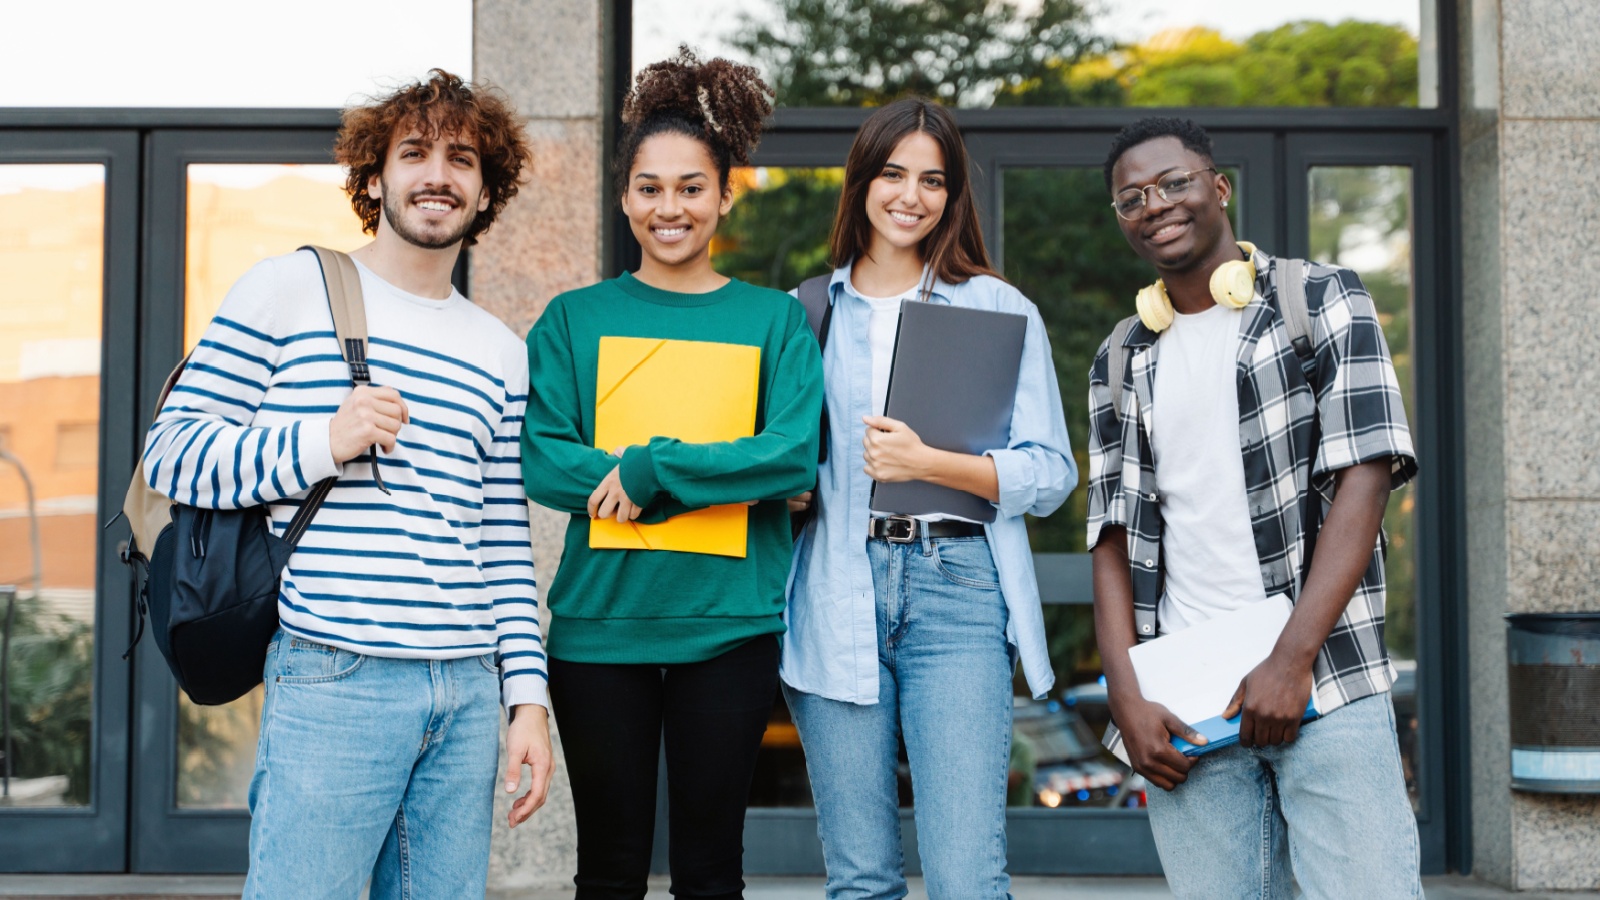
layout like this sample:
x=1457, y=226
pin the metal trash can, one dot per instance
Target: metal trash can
x=1554, y=663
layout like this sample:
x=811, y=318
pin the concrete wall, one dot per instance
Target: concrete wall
x=552, y=58
x=1530, y=209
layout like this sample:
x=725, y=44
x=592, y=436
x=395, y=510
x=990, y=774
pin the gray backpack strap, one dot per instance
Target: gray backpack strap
x=1117, y=362
x=813, y=293
x=1297, y=316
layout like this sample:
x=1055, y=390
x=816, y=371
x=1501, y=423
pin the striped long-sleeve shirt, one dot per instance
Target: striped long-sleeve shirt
x=440, y=568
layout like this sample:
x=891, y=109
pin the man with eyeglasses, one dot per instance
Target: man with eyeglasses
x=1236, y=467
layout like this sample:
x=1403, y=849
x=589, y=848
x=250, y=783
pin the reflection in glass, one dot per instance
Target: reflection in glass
x=973, y=53
x=52, y=235
x=1361, y=218
x=240, y=214
x=237, y=216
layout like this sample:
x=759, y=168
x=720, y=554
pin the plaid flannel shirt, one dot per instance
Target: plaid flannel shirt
x=1358, y=411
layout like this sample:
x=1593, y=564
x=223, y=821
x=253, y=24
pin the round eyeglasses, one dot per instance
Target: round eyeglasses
x=1172, y=187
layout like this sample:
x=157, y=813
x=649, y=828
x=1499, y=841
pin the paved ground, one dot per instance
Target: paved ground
x=194, y=887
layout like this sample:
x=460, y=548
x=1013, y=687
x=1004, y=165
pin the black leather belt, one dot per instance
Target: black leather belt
x=904, y=529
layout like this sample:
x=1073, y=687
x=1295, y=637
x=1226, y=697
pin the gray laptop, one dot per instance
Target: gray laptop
x=954, y=381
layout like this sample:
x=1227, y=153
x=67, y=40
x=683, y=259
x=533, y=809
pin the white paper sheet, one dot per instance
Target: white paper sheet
x=1194, y=672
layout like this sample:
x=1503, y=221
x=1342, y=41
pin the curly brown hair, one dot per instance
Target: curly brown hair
x=722, y=104
x=441, y=104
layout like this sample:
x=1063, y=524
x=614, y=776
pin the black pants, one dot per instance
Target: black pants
x=613, y=719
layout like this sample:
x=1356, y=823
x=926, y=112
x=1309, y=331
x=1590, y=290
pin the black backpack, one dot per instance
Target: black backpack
x=211, y=575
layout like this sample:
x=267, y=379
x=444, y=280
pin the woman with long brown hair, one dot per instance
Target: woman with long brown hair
x=911, y=627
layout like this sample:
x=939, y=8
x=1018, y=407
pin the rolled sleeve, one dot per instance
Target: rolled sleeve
x=1362, y=416
x=1035, y=471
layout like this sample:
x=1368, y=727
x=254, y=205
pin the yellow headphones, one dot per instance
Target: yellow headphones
x=1232, y=285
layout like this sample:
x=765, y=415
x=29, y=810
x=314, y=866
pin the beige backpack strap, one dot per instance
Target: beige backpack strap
x=343, y=283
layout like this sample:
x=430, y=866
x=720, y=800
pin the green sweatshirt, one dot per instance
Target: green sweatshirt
x=661, y=606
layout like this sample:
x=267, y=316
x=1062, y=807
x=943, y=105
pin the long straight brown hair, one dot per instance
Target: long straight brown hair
x=954, y=250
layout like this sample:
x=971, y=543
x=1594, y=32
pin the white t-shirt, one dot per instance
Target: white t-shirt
x=881, y=330
x=1208, y=547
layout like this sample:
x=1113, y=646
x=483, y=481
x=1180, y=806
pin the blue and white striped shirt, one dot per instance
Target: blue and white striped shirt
x=438, y=569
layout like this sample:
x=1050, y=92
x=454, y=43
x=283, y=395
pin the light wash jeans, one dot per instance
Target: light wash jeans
x=944, y=683
x=1328, y=811
x=373, y=767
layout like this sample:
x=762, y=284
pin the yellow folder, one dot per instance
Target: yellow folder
x=696, y=391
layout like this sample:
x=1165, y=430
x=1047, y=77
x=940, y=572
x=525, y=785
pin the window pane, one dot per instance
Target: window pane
x=1361, y=218
x=52, y=249
x=975, y=53
x=237, y=216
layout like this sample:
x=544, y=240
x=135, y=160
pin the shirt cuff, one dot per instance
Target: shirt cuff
x=316, y=451
x=524, y=687
x=1013, y=471
x=638, y=474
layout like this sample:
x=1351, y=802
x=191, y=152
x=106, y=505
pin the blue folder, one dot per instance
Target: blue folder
x=1222, y=732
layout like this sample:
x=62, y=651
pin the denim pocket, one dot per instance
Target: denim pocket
x=488, y=662
x=308, y=662
x=966, y=561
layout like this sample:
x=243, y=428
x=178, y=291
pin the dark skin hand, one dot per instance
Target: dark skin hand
x=1147, y=728
x=1272, y=698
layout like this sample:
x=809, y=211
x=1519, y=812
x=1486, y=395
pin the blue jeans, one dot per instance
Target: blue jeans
x=1329, y=811
x=373, y=767
x=944, y=684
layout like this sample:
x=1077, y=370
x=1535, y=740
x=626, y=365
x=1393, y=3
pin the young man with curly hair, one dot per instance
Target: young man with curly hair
x=1245, y=459
x=408, y=610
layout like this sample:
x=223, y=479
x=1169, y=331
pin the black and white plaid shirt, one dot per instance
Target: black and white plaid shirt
x=1361, y=419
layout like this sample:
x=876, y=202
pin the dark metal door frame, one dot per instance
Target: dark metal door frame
x=93, y=838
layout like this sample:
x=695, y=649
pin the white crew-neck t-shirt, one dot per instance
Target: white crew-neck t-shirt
x=1208, y=547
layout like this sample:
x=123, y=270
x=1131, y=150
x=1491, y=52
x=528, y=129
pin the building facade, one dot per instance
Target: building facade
x=1466, y=205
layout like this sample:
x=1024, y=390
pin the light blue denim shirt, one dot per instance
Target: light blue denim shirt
x=832, y=645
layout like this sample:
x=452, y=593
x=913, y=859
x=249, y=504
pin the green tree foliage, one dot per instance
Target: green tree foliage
x=51, y=674
x=1299, y=64
x=867, y=52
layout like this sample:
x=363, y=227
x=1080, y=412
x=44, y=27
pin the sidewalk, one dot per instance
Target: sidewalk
x=217, y=887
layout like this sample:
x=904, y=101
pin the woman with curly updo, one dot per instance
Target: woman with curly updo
x=910, y=627
x=651, y=642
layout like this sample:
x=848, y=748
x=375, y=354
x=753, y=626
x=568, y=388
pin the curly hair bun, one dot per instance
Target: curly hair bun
x=727, y=100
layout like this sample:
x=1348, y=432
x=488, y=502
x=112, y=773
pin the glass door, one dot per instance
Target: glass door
x=219, y=203
x=68, y=243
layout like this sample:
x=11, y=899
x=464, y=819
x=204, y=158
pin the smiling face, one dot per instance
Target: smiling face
x=1173, y=236
x=674, y=200
x=906, y=200
x=431, y=188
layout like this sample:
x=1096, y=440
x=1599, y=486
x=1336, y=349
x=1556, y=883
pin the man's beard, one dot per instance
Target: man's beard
x=391, y=213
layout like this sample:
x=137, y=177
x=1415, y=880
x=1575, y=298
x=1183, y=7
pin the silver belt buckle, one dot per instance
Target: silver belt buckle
x=899, y=529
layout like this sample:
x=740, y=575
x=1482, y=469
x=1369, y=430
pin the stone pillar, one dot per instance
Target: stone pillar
x=1530, y=71
x=551, y=57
